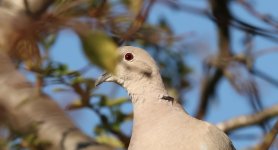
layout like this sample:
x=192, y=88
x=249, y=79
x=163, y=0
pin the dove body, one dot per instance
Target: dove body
x=160, y=123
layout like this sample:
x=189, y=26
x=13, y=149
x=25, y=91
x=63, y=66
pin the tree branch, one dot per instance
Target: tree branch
x=221, y=13
x=248, y=120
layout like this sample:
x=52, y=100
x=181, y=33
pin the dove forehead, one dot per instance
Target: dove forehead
x=138, y=53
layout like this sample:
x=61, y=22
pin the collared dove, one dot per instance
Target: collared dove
x=160, y=122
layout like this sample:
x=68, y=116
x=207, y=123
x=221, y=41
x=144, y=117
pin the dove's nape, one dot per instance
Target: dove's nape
x=160, y=123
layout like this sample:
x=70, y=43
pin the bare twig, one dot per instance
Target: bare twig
x=244, y=85
x=183, y=7
x=208, y=89
x=248, y=120
x=265, y=51
x=264, y=76
x=268, y=139
x=139, y=21
x=234, y=22
x=265, y=18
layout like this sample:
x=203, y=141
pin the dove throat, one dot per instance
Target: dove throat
x=148, y=99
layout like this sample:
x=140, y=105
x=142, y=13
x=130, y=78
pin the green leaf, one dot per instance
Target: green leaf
x=115, y=102
x=100, y=49
x=49, y=41
x=77, y=80
x=77, y=104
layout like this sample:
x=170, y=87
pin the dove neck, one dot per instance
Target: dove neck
x=146, y=89
x=147, y=98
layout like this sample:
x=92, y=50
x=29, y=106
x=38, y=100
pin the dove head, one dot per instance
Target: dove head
x=136, y=71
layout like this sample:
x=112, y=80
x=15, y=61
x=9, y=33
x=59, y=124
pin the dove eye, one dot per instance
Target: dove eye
x=128, y=56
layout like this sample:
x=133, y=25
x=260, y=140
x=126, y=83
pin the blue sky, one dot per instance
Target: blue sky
x=228, y=104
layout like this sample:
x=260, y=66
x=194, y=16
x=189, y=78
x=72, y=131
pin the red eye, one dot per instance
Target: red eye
x=128, y=56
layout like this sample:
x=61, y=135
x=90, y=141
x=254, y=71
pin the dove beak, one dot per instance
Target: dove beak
x=106, y=77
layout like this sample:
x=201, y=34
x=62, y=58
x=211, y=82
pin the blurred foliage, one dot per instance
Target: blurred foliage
x=16, y=141
x=3, y=143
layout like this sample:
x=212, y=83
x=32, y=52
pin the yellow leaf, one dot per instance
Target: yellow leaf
x=115, y=102
x=134, y=5
x=100, y=49
x=109, y=140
